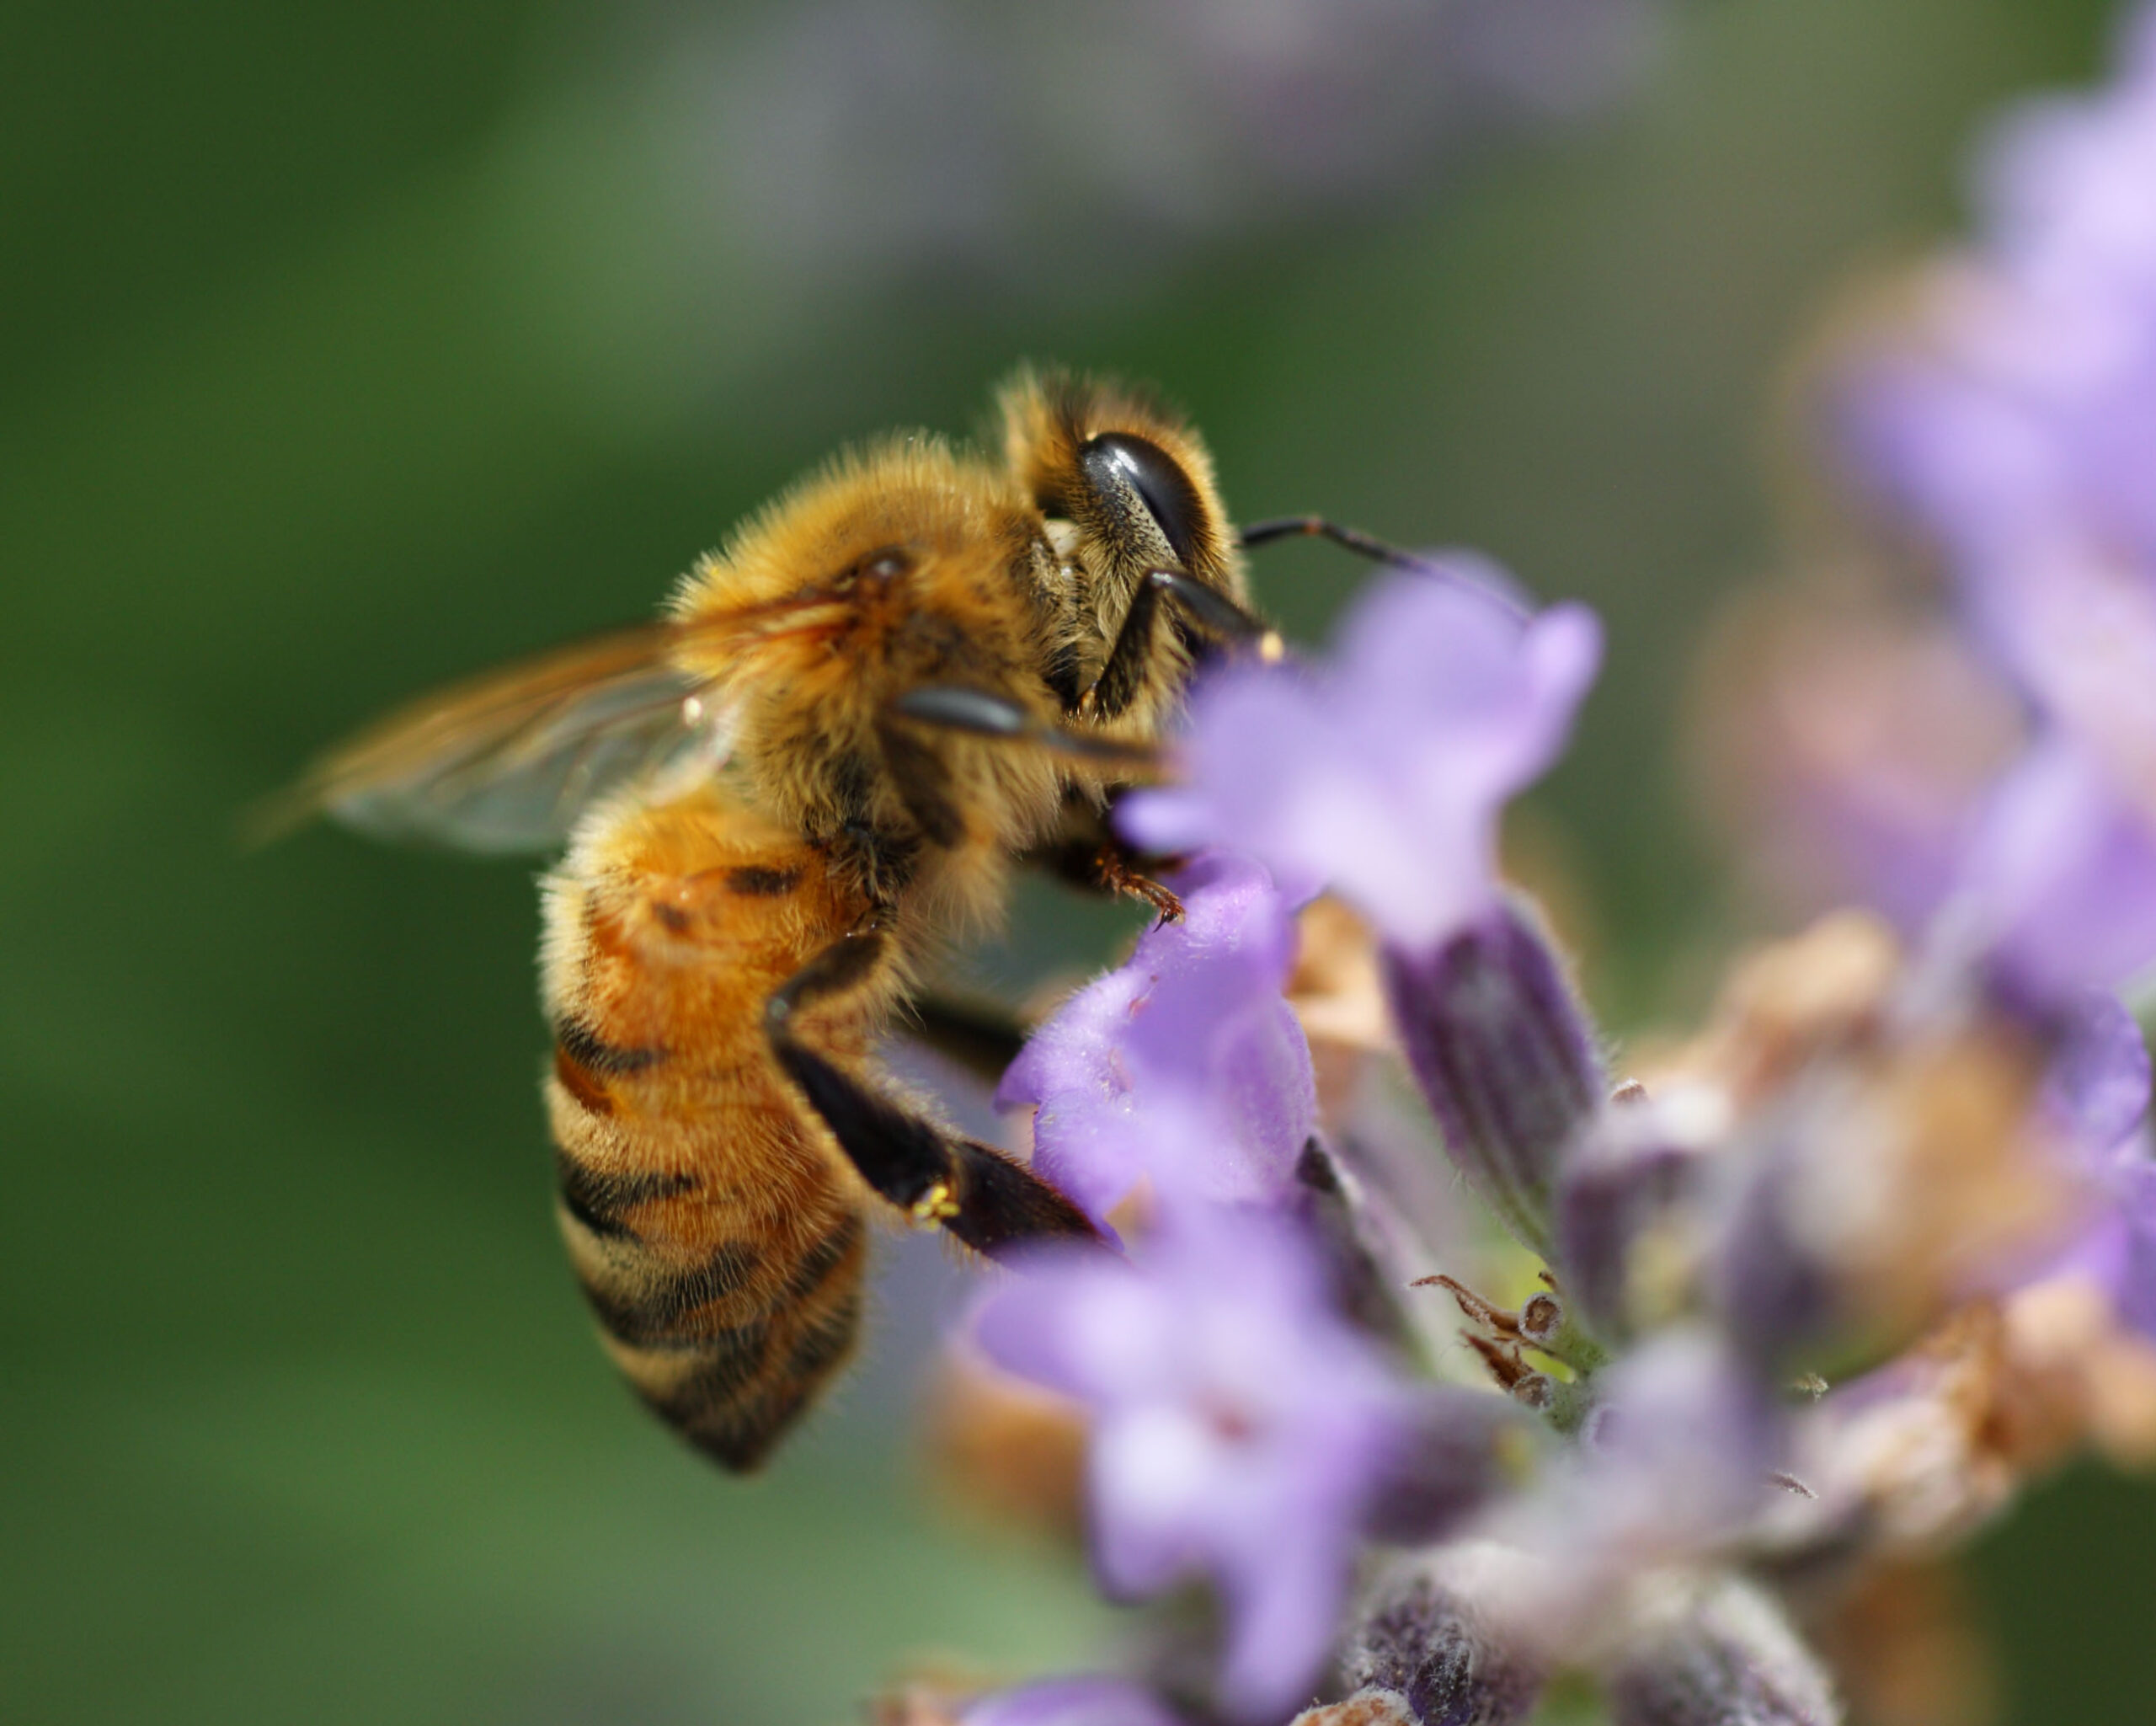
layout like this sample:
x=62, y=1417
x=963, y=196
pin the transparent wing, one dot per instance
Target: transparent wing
x=508, y=761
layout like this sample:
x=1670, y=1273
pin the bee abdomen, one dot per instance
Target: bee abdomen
x=734, y=1395
x=602, y=1199
x=728, y=1342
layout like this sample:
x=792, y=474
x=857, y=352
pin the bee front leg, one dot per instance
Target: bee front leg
x=1130, y=656
x=979, y=1194
x=983, y=712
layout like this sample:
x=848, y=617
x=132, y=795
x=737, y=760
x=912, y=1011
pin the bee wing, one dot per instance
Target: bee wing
x=507, y=762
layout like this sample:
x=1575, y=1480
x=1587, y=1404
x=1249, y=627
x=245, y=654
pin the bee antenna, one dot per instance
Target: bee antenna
x=1365, y=545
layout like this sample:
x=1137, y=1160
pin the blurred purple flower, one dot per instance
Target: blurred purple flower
x=1847, y=751
x=1070, y=1702
x=1426, y=1635
x=1721, y=1652
x=2098, y=1093
x=1185, y=1064
x=2057, y=890
x=2117, y=1251
x=1241, y=1429
x=1383, y=772
x=2015, y=424
x=1635, y=1177
x=1677, y=1466
x=2121, y=1251
x=2098, y=1086
x=2028, y=403
x=857, y=141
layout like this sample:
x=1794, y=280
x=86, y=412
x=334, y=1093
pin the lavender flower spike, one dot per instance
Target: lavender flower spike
x=1241, y=1429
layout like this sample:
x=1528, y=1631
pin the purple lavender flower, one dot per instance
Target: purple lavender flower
x=1241, y=1430
x=1676, y=1467
x=2057, y=893
x=2098, y=1086
x=1629, y=1180
x=1722, y=1653
x=1382, y=774
x=1186, y=1064
x=1426, y=1637
x=856, y=140
x=2100, y=1095
x=2029, y=405
x=2015, y=426
x=1070, y=1702
x=2120, y=1250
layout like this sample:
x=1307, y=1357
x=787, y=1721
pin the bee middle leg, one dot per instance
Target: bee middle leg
x=991, y=1202
x=1087, y=853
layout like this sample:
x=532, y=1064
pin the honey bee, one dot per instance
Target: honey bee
x=916, y=669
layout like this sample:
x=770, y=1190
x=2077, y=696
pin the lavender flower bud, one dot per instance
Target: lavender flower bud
x=1778, y=1297
x=1459, y=1449
x=1331, y=1201
x=1626, y=1189
x=1722, y=1658
x=1423, y=1640
x=1504, y=1055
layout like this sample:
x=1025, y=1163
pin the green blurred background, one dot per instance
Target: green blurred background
x=349, y=349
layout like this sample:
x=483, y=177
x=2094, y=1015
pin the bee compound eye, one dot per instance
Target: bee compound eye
x=1116, y=459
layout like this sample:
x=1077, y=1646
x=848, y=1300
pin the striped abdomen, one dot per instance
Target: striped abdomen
x=724, y=1324
x=719, y=1237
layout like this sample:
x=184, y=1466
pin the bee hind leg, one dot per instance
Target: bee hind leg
x=982, y=1197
